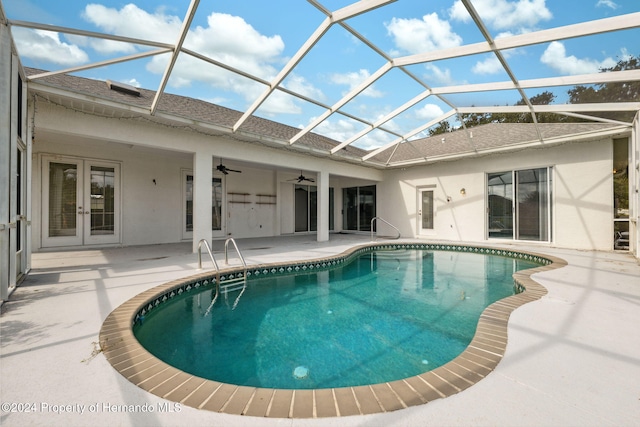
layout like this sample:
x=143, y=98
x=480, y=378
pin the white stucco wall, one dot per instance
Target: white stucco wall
x=582, y=194
x=153, y=213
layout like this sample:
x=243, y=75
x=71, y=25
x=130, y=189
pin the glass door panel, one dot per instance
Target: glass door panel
x=533, y=205
x=217, y=215
x=102, y=201
x=426, y=210
x=500, y=205
x=101, y=218
x=62, y=203
x=216, y=207
x=313, y=208
x=350, y=208
x=367, y=199
x=301, y=198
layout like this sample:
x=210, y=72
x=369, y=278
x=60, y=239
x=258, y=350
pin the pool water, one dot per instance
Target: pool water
x=385, y=316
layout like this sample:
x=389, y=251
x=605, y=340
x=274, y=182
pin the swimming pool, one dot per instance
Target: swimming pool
x=383, y=316
x=477, y=360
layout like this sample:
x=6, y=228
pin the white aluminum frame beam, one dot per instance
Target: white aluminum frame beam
x=383, y=120
x=406, y=137
x=582, y=79
x=605, y=25
x=348, y=97
x=84, y=33
x=346, y=12
x=186, y=24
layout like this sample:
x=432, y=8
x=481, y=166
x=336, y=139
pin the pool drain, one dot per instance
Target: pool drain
x=300, y=372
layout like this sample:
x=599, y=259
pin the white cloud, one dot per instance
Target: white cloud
x=353, y=79
x=46, y=46
x=131, y=21
x=425, y=35
x=555, y=56
x=607, y=3
x=491, y=65
x=280, y=103
x=438, y=75
x=301, y=86
x=502, y=14
x=339, y=130
x=233, y=41
x=133, y=82
x=429, y=112
x=226, y=38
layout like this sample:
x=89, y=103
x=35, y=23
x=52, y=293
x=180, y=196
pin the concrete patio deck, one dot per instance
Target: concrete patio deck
x=573, y=357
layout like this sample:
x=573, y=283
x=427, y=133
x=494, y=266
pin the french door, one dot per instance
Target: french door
x=80, y=202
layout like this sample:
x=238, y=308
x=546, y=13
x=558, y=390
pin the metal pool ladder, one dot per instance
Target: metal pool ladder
x=230, y=285
x=386, y=222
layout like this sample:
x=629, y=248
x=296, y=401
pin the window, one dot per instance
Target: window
x=519, y=204
x=426, y=210
x=216, y=203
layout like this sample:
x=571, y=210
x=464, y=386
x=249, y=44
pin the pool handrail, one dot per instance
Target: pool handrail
x=226, y=261
x=206, y=245
x=386, y=222
x=226, y=252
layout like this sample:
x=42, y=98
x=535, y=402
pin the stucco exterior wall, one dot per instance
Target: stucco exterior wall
x=153, y=162
x=582, y=199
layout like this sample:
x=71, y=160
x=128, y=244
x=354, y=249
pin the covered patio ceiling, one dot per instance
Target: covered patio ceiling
x=405, y=78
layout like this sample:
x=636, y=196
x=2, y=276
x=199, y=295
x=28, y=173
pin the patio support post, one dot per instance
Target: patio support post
x=202, y=177
x=323, y=206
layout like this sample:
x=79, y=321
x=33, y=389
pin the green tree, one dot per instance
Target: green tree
x=442, y=127
x=599, y=93
x=611, y=92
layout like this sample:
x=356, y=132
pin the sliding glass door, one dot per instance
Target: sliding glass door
x=518, y=204
x=359, y=207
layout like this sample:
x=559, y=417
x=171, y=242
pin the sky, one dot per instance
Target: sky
x=260, y=38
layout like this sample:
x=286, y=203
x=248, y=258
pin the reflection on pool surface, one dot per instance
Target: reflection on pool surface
x=384, y=316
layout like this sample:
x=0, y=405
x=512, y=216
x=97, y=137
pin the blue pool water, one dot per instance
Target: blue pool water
x=384, y=316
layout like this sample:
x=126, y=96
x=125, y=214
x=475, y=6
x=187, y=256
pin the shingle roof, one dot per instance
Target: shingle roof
x=189, y=108
x=473, y=141
x=490, y=137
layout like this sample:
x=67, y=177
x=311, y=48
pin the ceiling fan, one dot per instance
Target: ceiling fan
x=225, y=170
x=303, y=178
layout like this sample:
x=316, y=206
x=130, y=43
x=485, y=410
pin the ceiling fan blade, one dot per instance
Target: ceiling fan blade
x=225, y=170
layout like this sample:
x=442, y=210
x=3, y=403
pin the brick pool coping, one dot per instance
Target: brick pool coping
x=123, y=351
